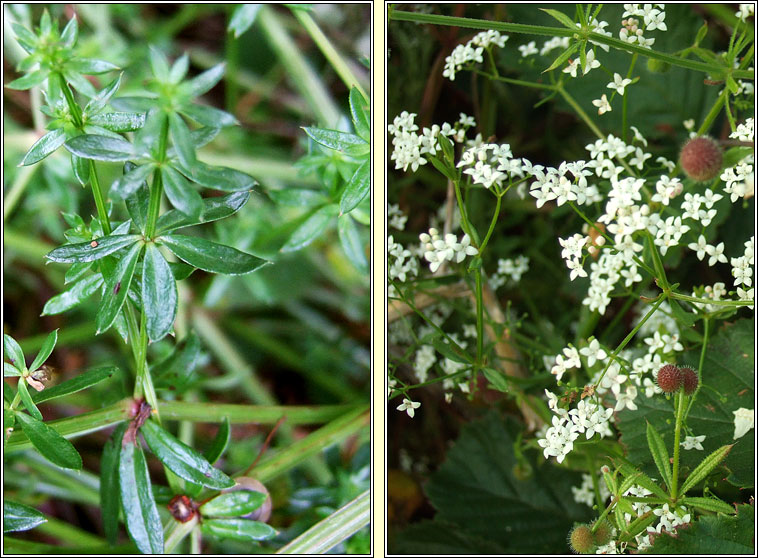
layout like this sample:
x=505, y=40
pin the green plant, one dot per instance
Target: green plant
x=133, y=257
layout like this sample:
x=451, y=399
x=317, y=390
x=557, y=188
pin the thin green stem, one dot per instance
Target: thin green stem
x=595, y=482
x=714, y=112
x=703, y=349
x=479, y=316
x=677, y=435
x=156, y=190
x=97, y=193
x=73, y=107
x=696, y=300
x=18, y=187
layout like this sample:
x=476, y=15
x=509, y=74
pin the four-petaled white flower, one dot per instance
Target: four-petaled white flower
x=593, y=352
x=619, y=83
x=744, y=420
x=409, y=406
x=602, y=104
x=693, y=442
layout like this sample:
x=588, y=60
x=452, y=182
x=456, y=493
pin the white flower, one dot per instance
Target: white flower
x=409, y=407
x=593, y=352
x=528, y=49
x=572, y=67
x=626, y=399
x=743, y=421
x=691, y=442
x=602, y=104
x=591, y=62
x=619, y=83
x=716, y=254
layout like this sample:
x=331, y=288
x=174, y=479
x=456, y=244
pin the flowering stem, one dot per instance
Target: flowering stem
x=677, y=435
x=706, y=331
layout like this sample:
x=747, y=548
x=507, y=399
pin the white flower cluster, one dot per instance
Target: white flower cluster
x=693, y=206
x=745, y=131
x=402, y=263
x=653, y=18
x=745, y=11
x=438, y=250
x=472, y=51
x=509, y=269
x=491, y=164
x=395, y=217
x=587, y=418
x=742, y=271
x=585, y=494
x=740, y=179
x=410, y=147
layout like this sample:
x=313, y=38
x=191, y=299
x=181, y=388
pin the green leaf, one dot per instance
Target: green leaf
x=297, y=197
x=29, y=80
x=209, y=116
x=341, y=141
x=26, y=399
x=100, y=148
x=660, y=454
x=44, y=147
x=210, y=256
x=185, y=147
x=350, y=239
x=140, y=512
x=10, y=371
x=116, y=289
x=119, y=121
x=213, y=210
x=20, y=517
x=496, y=379
x=701, y=33
x=220, y=442
x=110, y=503
x=478, y=497
x=137, y=206
x=310, y=229
x=159, y=298
x=705, y=467
x=98, y=102
x=446, y=350
x=242, y=18
x=81, y=169
x=179, y=69
x=90, y=66
x=85, y=252
x=233, y=504
x=565, y=55
x=219, y=178
x=710, y=535
x=79, y=82
x=687, y=319
x=708, y=504
x=357, y=188
x=563, y=18
x=181, y=194
x=175, y=372
x=442, y=539
x=205, y=81
x=181, y=459
x=26, y=38
x=70, y=33
x=360, y=111
x=238, y=529
x=47, y=347
x=158, y=64
x=49, y=443
x=76, y=272
x=77, y=383
x=13, y=352
x=128, y=183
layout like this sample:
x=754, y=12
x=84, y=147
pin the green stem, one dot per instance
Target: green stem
x=156, y=191
x=688, y=298
x=595, y=482
x=18, y=187
x=479, y=316
x=97, y=193
x=677, y=435
x=714, y=112
x=245, y=414
x=73, y=107
x=706, y=332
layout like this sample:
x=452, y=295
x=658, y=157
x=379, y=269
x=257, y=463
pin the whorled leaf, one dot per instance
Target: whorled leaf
x=159, y=297
x=49, y=443
x=210, y=256
x=20, y=517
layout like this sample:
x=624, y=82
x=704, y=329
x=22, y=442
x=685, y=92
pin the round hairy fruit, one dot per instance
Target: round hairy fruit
x=669, y=378
x=249, y=483
x=581, y=540
x=603, y=533
x=689, y=380
x=701, y=159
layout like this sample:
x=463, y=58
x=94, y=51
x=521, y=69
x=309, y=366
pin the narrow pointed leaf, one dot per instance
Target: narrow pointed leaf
x=158, y=293
x=310, y=229
x=233, y=504
x=219, y=178
x=350, y=239
x=357, y=188
x=100, y=148
x=181, y=194
x=130, y=181
x=77, y=271
x=565, y=55
x=179, y=69
x=24, y=36
x=210, y=256
x=117, y=289
x=13, y=352
x=119, y=121
x=213, y=210
x=110, y=503
x=91, y=66
x=86, y=252
x=181, y=459
x=140, y=511
x=560, y=16
x=205, y=81
x=74, y=296
x=47, y=347
x=49, y=443
x=137, y=205
x=29, y=80
x=243, y=17
x=185, y=148
x=158, y=64
x=26, y=399
x=708, y=504
x=218, y=446
x=98, y=102
x=79, y=82
x=705, y=467
x=209, y=116
x=238, y=529
x=19, y=517
x=359, y=110
x=341, y=141
x=9, y=370
x=77, y=383
x=659, y=453
x=70, y=33
x=44, y=147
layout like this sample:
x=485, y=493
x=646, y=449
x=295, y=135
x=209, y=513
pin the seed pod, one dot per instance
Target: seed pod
x=603, y=533
x=669, y=378
x=701, y=159
x=689, y=380
x=581, y=540
x=248, y=483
